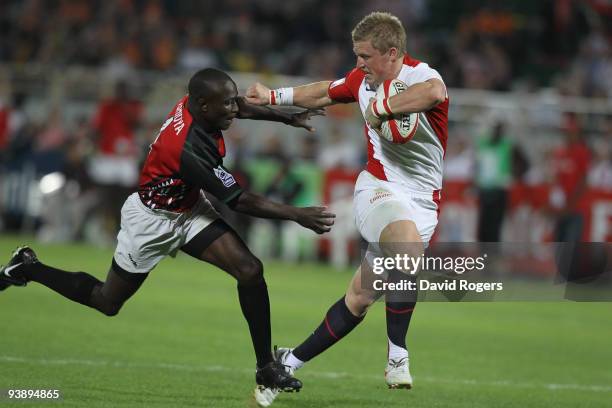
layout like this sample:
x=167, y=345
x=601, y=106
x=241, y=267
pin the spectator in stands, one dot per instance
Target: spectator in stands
x=487, y=37
x=600, y=173
x=307, y=180
x=497, y=159
x=115, y=167
x=459, y=161
x=570, y=166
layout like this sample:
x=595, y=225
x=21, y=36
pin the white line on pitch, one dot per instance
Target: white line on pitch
x=322, y=374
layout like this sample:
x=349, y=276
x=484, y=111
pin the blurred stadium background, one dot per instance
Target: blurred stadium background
x=85, y=86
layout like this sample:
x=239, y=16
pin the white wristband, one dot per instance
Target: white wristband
x=281, y=96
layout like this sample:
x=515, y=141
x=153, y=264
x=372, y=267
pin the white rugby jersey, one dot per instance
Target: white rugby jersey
x=417, y=163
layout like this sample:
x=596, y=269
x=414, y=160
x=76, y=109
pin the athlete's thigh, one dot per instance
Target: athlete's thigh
x=219, y=245
x=120, y=284
x=376, y=207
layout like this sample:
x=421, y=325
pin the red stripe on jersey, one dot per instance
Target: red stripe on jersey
x=438, y=119
x=374, y=165
x=408, y=60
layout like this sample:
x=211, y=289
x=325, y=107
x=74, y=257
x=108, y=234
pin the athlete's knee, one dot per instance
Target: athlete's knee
x=103, y=304
x=358, y=302
x=400, y=231
x=249, y=270
x=110, y=309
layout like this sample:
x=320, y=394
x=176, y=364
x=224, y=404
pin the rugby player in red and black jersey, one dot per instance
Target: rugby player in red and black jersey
x=169, y=212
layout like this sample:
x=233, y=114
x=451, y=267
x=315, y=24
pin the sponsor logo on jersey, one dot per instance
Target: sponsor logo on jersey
x=226, y=178
x=379, y=195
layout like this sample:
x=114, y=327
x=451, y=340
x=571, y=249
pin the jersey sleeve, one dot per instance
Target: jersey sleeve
x=346, y=90
x=423, y=72
x=199, y=169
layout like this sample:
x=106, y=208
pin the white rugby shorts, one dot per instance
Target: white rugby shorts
x=147, y=236
x=378, y=203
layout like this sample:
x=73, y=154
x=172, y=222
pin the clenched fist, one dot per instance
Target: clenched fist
x=258, y=94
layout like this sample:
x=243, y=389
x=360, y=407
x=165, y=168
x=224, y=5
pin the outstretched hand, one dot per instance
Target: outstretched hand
x=317, y=219
x=258, y=94
x=300, y=119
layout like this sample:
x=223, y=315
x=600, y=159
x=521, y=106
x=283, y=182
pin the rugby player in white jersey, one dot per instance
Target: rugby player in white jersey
x=397, y=195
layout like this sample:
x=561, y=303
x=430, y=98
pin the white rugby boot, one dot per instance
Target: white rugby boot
x=397, y=374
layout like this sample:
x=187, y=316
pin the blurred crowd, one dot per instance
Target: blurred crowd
x=481, y=44
x=67, y=179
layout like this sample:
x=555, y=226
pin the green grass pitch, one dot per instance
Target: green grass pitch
x=181, y=341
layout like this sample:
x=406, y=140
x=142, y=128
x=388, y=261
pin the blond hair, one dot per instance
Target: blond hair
x=383, y=30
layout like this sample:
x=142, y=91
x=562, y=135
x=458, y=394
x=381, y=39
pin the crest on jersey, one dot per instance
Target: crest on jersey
x=226, y=178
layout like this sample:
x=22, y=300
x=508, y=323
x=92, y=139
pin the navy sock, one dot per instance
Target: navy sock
x=398, y=320
x=338, y=322
x=255, y=305
x=76, y=286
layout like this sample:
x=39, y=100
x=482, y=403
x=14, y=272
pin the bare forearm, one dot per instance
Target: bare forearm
x=256, y=112
x=419, y=97
x=259, y=206
x=312, y=96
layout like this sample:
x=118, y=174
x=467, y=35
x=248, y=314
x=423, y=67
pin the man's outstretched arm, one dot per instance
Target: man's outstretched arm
x=248, y=110
x=317, y=219
x=310, y=96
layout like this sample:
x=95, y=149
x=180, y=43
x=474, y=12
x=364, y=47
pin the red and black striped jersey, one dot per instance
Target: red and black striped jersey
x=183, y=160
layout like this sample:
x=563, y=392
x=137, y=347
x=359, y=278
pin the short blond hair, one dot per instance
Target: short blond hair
x=383, y=30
